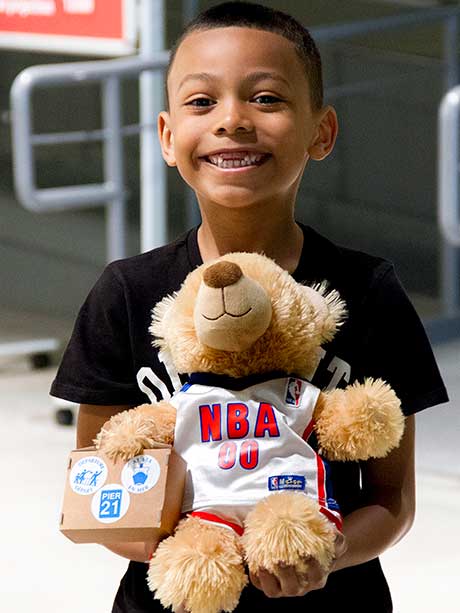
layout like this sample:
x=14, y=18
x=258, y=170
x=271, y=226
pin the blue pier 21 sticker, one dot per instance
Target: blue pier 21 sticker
x=286, y=482
x=110, y=503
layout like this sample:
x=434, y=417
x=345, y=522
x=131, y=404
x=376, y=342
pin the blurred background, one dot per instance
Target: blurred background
x=387, y=66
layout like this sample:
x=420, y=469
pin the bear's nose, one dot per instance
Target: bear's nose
x=222, y=274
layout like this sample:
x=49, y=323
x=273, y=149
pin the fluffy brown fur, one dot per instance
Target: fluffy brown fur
x=200, y=567
x=361, y=422
x=287, y=528
x=127, y=434
x=294, y=317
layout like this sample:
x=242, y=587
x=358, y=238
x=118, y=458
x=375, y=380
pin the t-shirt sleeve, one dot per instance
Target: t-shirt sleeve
x=97, y=366
x=397, y=348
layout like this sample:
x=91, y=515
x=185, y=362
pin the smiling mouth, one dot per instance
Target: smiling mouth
x=227, y=313
x=233, y=160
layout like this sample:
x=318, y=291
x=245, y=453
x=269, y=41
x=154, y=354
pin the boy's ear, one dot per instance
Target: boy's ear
x=166, y=138
x=326, y=134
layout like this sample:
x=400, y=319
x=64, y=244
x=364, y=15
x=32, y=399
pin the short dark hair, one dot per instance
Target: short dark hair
x=259, y=17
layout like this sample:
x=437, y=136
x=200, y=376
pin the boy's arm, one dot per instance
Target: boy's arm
x=389, y=510
x=385, y=517
x=91, y=418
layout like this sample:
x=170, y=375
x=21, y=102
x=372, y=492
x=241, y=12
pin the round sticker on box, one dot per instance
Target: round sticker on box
x=88, y=475
x=110, y=503
x=140, y=474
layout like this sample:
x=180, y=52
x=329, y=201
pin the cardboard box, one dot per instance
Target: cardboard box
x=137, y=500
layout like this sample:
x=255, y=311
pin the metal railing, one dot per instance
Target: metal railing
x=448, y=166
x=112, y=192
x=448, y=200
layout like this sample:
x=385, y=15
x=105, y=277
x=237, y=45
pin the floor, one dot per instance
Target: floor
x=43, y=571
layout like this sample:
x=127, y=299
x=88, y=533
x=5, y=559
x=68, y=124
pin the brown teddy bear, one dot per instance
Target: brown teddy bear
x=256, y=491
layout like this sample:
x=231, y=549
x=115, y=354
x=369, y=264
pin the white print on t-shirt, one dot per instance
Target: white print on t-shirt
x=157, y=389
x=339, y=369
x=146, y=373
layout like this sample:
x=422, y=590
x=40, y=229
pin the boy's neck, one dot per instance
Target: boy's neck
x=278, y=237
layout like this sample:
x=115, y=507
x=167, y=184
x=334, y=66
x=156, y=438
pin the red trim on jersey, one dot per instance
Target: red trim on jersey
x=321, y=480
x=337, y=520
x=218, y=520
x=308, y=430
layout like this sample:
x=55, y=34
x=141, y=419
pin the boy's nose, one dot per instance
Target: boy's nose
x=234, y=119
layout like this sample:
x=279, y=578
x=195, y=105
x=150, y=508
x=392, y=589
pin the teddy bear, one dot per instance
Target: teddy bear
x=249, y=337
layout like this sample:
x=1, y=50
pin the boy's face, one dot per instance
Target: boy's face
x=240, y=127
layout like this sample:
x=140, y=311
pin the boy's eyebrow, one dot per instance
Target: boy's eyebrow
x=196, y=76
x=254, y=77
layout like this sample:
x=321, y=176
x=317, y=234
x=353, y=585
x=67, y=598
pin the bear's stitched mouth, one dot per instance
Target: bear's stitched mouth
x=226, y=313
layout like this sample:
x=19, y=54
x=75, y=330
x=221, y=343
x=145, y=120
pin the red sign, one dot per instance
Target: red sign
x=100, y=27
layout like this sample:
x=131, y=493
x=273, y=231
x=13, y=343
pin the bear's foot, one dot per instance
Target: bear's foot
x=200, y=567
x=287, y=528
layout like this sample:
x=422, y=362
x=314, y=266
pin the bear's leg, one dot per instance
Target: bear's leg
x=287, y=528
x=200, y=567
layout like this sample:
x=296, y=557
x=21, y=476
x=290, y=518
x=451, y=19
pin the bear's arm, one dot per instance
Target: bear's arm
x=128, y=433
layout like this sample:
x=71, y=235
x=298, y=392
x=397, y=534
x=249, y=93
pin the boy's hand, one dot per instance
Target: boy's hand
x=286, y=582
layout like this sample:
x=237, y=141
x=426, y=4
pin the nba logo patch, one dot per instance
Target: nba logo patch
x=293, y=392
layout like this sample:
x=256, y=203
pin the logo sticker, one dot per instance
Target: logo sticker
x=140, y=474
x=110, y=503
x=286, y=482
x=293, y=391
x=88, y=475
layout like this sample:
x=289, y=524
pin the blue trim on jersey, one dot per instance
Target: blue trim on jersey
x=185, y=387
x=330, y=500
x=234, y=383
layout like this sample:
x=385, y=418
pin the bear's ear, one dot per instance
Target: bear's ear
x=330, y=310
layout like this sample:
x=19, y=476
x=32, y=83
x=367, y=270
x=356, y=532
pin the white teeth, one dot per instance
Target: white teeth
x=235, y=160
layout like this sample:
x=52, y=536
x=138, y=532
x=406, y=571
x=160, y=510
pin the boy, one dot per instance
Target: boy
x=245, y=115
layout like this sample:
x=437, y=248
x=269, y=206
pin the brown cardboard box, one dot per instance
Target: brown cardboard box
x=107, y=501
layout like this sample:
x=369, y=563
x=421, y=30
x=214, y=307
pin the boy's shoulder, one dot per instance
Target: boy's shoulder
x=164, y=266
x=336, y=258
x=352, y=272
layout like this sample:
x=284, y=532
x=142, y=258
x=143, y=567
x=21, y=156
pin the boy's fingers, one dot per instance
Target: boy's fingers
x=267, y=582
x=287, y=582
x=315, y=577
x=290, y=583
x=255, y=580
x=340, y=545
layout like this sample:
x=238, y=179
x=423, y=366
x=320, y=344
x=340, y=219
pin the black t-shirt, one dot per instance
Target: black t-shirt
x=110, y=360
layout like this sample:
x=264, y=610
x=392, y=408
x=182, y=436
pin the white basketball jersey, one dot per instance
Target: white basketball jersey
x=243, y=445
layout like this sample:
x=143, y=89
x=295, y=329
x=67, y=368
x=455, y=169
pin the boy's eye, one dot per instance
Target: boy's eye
x=267, y=99
x=199, y=102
